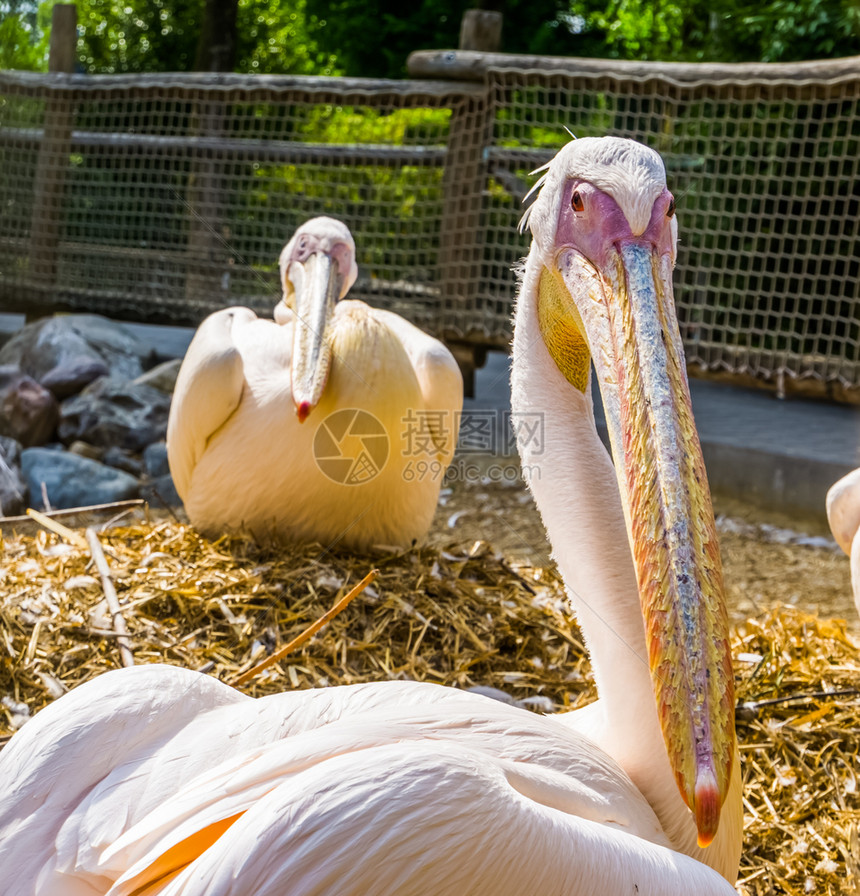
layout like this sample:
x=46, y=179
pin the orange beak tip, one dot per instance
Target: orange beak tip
x=303, y=408
x=707, y=808
x=704, y=840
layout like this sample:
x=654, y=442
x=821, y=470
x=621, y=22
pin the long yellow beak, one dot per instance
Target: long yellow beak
x=317, y=283
x=626, y=316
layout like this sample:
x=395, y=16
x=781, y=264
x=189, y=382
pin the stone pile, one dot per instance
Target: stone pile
x=83, y=416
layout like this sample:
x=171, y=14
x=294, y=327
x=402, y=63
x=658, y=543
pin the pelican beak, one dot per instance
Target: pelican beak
x=318, y=283
x=625, y=317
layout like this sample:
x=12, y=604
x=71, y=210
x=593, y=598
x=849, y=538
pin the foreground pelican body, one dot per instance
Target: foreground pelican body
x=161, y=781
x=383, y=397
x=843, y=514
x=392, y=788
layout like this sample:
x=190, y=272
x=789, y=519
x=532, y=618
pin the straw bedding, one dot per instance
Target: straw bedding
x=458, y=611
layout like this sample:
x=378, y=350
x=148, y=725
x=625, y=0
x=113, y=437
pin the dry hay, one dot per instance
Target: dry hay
x=799, y=731
x=459, y=614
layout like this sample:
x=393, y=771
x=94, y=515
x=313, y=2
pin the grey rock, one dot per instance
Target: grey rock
x=84, y=449
x=65, y=353
x=13, y=491
x=155, y=460
x=111, y=412
x=10, y=451
x=13, y=488
x=161, y=492
x=73, y=481
x=162, y=376
x=70, y=376
x=122, y=460
x=28, y=411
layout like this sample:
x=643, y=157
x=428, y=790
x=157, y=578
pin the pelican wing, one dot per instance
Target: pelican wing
x=208, y=390
x=439, y=379
x=567, y=772
x=417, y=817
x=52, y=763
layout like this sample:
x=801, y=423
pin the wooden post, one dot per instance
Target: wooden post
x=462, y=240
x=53, y=162
x=481, y=29
x=207, y=248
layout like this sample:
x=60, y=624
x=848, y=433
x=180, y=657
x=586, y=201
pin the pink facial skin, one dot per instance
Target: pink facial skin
x=601, y=226
x=308, y=244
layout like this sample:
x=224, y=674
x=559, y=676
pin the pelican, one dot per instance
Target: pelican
x=384, y=396
x=158, y=780
x=843, y=515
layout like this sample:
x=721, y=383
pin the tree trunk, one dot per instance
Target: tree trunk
x=216, y=47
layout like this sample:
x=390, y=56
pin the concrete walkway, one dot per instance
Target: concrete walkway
x=779, y=455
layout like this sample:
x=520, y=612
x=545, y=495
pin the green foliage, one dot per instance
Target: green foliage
x=24, y=35
x=725, y=30
x=641, y=29
x=785, y=30
x=357, y=125
x=276, y=38
x=405, y=198
x=114, y=36
x=373, y=38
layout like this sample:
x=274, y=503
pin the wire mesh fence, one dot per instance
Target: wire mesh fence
x=766, y=176
x=163, y=198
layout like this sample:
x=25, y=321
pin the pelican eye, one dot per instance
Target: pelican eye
x=576, y=202
x=670, y=211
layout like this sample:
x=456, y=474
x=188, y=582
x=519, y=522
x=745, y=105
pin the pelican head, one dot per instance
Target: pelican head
x=604, y=240
x=317, y=269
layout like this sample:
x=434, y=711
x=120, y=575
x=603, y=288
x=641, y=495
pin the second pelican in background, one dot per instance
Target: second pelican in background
x=382, y=396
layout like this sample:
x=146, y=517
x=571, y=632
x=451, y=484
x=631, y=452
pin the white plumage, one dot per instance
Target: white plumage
x=157, y=780
x=256, y=402
x=843, y=514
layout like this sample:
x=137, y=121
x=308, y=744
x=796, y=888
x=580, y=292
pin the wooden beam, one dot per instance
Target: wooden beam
x=463, y=65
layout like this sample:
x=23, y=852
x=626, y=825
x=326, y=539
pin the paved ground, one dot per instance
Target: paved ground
x=781, y=455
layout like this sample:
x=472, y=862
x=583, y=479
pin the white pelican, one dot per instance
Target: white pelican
x=156, y=780
x=843, y=514
x=385, y=400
